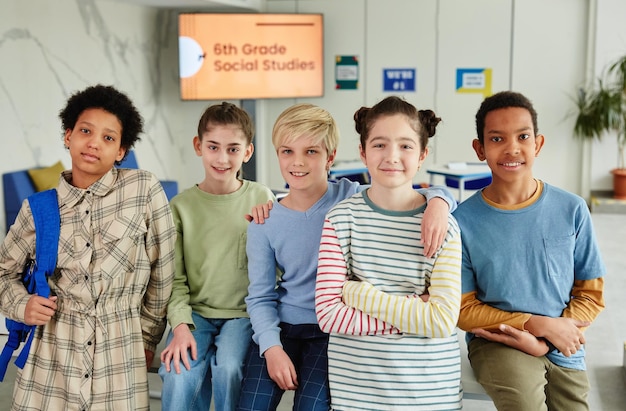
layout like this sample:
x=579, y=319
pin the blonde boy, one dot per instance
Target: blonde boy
x=289, y=349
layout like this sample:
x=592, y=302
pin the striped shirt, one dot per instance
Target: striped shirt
x=388, y=349
x=113, y=281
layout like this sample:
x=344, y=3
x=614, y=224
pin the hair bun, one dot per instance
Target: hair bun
x=429, y=120
x=359, y=119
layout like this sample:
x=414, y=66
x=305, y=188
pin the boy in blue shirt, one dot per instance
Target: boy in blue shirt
x=532, y=271
x=289, y=348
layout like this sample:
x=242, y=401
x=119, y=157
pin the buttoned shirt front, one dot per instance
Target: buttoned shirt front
x=113, y=280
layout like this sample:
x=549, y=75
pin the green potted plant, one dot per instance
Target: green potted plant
x=601, y=110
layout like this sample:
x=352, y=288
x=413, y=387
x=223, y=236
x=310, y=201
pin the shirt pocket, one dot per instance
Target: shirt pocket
x=242, y=257
x=559, y=253
x=123, y=241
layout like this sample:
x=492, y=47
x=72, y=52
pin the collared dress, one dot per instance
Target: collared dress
x=113, y=280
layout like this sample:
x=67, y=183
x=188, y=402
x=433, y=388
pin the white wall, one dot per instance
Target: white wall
x=518, y=40
x=539, y=47
x=549, y=57
x=608, y=45
x=473, y=34
x=50, y=50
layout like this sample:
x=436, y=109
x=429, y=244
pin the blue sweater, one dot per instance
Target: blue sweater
x=526, y=260
x=287, y=245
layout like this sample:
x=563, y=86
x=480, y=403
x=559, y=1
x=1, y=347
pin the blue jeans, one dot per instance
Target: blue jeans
x=307, y=347
x=222, y=347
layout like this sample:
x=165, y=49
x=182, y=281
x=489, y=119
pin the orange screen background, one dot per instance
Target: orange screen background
x=254, y=56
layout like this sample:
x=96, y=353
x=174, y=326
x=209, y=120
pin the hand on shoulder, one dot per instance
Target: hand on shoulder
x=260, y=212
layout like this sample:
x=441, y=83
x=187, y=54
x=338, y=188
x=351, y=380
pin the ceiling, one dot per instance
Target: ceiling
x=241, y=5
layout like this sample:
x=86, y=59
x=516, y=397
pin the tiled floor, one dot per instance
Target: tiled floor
x=605, y=338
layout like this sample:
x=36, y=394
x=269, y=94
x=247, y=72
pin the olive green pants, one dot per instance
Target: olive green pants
x=516, y=381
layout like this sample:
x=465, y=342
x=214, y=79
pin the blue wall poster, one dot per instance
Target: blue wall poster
x=474, y=80
x=402, y=79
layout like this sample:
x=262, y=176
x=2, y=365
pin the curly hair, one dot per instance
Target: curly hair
x=111, y=100
x=503, y=99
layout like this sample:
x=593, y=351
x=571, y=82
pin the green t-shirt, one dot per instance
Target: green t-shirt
x=211, y=264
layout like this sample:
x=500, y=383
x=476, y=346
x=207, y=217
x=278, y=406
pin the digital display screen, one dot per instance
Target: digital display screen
x=250, y=56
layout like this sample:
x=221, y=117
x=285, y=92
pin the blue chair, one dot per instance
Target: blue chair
x=361, y=178
x=17, y=186
x=130, y=161
x=170, y=187
x=469, y=185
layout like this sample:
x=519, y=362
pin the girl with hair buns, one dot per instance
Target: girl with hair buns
x=390, y=310
x=289, y=351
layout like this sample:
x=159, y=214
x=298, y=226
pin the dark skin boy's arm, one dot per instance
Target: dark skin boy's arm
x=500, y=326
x=476, y=314
x=566, y=332
x=518, y=339
x=563, y=333
x=587, y=300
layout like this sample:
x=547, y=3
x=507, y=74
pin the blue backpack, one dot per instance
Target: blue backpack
x=45, y=208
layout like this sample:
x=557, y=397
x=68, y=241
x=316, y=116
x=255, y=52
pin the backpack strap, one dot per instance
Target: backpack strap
x=45, y=210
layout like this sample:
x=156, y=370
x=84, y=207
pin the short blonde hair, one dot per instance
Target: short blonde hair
x=306, y=120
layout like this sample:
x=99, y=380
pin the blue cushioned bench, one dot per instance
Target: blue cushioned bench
x=18, y=186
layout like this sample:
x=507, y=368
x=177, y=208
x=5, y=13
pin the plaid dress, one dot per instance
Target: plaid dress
x=113, y=281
